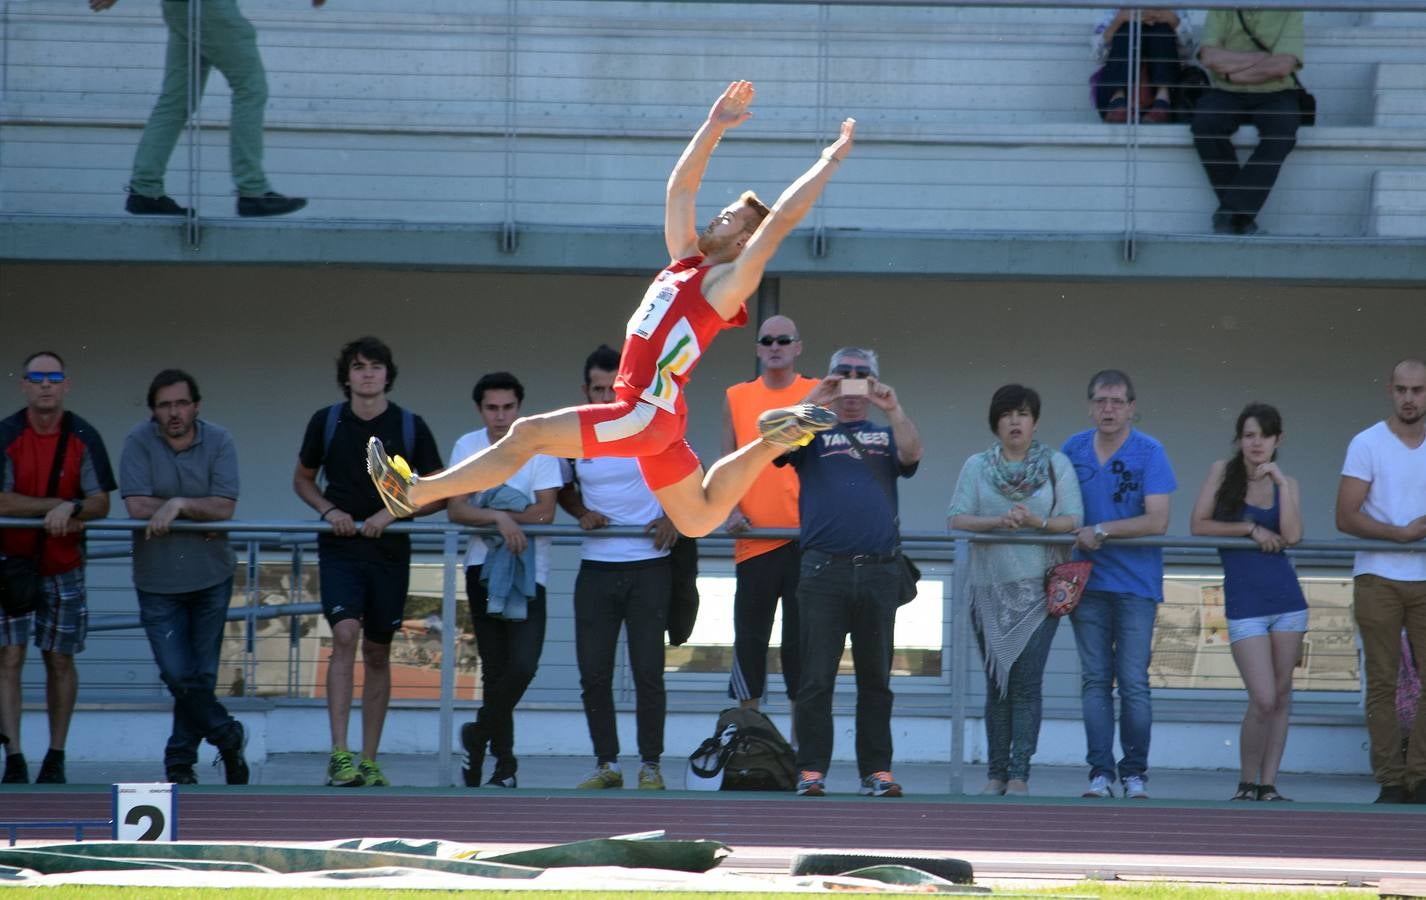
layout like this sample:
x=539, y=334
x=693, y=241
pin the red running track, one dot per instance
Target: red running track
x=750, y=821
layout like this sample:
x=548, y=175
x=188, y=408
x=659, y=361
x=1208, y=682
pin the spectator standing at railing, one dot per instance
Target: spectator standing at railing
x=1164, y=36
x=851, y=575
x=178, y=466
x=509, y=641
x=1019, y=484
x=1382, y=497
x=33, y=442
x=1252, y=55
x=1249, y=496
x=228, y=42
x=766, y=570
x=1125, y=481
x=364, y=572
x=622, y=583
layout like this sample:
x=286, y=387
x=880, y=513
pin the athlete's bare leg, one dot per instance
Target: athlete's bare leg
x=699, y=504
x=554, y=434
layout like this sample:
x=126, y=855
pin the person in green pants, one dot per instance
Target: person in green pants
x=228, y=42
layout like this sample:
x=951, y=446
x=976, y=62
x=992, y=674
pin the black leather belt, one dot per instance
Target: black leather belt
x=859, y=559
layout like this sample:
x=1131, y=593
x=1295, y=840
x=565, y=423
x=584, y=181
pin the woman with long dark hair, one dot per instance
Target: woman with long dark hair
x=1249, y=496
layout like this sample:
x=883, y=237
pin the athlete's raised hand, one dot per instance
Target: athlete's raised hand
x=839, y=148
x=731, y=109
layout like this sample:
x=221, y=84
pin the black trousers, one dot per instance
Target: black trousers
x=762, y=581
x=509, y=656
x=1244, y=188
x=634, y=595
x=1158, y=51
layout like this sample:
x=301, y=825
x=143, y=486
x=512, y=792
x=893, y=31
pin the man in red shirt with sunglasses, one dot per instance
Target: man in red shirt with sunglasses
x=52, y=465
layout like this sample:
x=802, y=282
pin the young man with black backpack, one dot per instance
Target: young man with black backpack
x=364, y=572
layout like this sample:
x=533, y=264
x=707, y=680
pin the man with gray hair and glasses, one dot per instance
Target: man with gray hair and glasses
x=1125, y=480
x=850, y=578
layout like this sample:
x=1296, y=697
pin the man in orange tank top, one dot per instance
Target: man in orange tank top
x=703, y=290
x=766, y=569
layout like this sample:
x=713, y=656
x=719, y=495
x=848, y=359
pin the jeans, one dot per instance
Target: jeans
x=1158, y=51
x=837, y=597
x=1115, y=636
x=1244, y=188
x=1012, y=722
x=509, y=656
x=634, y=595
x=1382, y=608
x=186, y=632
x=229, y=42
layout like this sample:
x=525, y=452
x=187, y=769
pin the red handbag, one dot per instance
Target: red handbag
x=1064, y=585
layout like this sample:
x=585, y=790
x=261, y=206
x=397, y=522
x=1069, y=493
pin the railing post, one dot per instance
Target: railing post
x=960, y=629
x=450, y=561
x=250, y=622
x=294, y=624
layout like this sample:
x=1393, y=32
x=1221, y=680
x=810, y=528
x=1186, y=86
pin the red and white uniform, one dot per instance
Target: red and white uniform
x=665, y=338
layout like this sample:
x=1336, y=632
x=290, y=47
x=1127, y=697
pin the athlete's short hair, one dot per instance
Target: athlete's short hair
x=750, y=199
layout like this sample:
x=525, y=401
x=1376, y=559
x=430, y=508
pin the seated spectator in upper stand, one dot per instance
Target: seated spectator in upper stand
x=509, y=636
x=1019, y=484
x=1165, y=36
x=1251, y=55
x=228, y=42
x=1249, y=496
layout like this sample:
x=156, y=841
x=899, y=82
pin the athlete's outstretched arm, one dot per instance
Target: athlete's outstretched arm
x=680, y=228
x=727, y=289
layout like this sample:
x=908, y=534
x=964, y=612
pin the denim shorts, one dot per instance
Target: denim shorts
x=1256, y=626
x=61, y=620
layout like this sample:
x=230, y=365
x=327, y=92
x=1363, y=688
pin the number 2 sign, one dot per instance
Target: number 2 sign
x=145, y=812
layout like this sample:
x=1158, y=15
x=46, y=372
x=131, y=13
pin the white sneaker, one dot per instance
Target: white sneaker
x=1099, y=787
x=1135, y=789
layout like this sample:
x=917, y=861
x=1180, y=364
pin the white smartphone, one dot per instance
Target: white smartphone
x=854, y=386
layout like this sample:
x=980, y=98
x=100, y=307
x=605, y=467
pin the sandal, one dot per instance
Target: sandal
x=1157, y=114
x=1269, y=792
x=1246, y=791
x=1117, y=112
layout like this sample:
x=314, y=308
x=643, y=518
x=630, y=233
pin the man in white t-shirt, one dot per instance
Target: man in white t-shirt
x=622, y=582
x=509, y=646
x=1383, y=497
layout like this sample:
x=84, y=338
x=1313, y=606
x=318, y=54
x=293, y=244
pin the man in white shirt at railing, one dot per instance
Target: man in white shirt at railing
x=1382, y=497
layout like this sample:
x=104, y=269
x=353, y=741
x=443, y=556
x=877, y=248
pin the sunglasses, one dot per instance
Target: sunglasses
x=852, y=371
x=782, y=340
x=42, y=377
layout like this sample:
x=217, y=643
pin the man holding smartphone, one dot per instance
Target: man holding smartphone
x=850, y=577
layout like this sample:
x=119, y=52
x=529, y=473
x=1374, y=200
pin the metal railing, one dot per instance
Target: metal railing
x=523, y=114
x=447, y=537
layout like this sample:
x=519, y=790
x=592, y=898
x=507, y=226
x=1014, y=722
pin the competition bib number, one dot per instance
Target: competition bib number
x=652, y=309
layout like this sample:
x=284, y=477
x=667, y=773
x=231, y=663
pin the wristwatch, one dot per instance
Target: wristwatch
x=1100, y=533
x=78, y=506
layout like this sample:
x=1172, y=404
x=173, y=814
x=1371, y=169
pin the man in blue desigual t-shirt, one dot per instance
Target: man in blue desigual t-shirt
x=1125, y=479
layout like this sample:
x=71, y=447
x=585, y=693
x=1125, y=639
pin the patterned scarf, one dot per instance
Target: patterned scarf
x=1016, y=481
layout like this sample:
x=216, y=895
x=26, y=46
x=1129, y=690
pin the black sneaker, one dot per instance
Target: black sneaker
x=472, y=740
x=1419, y=794
x=504, y=774
x=164, y=205
x=1246, y=225
x=1223, y=222
x=235, y=765
x=180, y=774
x=16, y=772
x=1393, y=793
x=269, y=204
x=52, y=769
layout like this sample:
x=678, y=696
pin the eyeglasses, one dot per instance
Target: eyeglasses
x=42, y=377
x=852, y=371
x=1111, y=402
x=782, y=340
